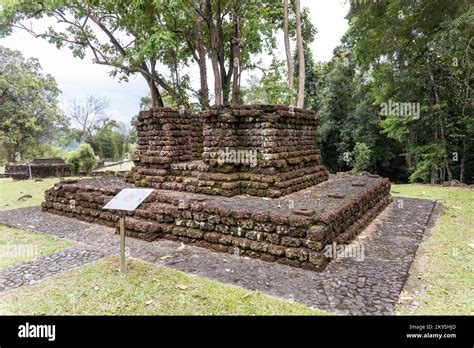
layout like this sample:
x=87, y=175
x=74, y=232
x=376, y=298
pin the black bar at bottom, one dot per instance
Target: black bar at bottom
x=137, y=331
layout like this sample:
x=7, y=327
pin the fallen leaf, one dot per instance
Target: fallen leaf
x=181, y=287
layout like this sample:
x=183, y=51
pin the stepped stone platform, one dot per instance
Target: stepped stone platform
x=246, y=180
x=292, y=230
x=261, y=150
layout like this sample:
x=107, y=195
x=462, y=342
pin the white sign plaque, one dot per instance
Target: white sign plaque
x=128, y=199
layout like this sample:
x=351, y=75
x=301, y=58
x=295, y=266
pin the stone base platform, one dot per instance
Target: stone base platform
x=292, y=230
x=197, y=177
x=38, y=168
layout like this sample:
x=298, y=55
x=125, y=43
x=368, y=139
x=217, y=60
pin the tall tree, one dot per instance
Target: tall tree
x=129, y=36
x=200, y=56
x=214, y=50
x=29, y=111
x=236, y=42
x=286, y=37
x=416, y=52
x=300, y=49
x=89, y=115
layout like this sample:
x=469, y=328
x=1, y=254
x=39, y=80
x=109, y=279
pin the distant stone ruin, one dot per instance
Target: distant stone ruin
x=245, y=180
x=38, y=168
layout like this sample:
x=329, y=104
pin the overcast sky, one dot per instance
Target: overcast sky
x=78, y=78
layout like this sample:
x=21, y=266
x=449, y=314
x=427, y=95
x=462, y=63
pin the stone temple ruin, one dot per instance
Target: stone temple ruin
x=38, y=168
x=246, y=180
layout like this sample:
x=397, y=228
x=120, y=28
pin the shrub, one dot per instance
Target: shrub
x=82, y=158
x=361, y=155
x=75, y=164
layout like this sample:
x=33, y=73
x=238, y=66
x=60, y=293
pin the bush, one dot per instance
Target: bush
x=361, y=155
x=82, y=158
x=75, y=164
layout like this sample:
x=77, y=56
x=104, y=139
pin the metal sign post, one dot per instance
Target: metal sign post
x=126, y=200
x=122, y=241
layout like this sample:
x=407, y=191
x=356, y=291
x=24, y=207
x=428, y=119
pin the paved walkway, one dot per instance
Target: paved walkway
x=30, y=272
x=350, y=286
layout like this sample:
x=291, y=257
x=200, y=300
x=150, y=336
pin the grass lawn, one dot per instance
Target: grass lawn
x=28, y=245
x=11, y=190
x=145, y=289
x=443, y=277
x=10, y=238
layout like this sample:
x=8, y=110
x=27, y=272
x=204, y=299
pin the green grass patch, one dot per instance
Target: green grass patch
x=443, y=277
x=145, y=289
x=17, y=246
x=12, y=190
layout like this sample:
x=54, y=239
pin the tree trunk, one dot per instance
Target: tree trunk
x=156, y=100
x=236, y=56
x=214, y=54
x=204, y=91
x=158, y=80
x=225, y=75
x=301, y=70
x=286, y=35
x=9, y=152
x=441, y=125
x=463, y=155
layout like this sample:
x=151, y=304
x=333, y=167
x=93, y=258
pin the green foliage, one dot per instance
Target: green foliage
x=75, y=163
x=406, y=52
x=29, y=114
x=361, y=155
x=272, y=88
x=82, y=158
x=143, y=183
x=154, y=33
x=420, y=52
x=429, y=159
x=112, y=140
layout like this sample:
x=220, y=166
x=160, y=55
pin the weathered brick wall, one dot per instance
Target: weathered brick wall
x=167, y=135
x=276, y=145
x=264, y=229
x=284, y=138
x=40, y=168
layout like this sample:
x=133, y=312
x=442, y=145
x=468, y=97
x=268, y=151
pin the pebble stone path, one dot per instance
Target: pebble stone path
x=371, y=286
